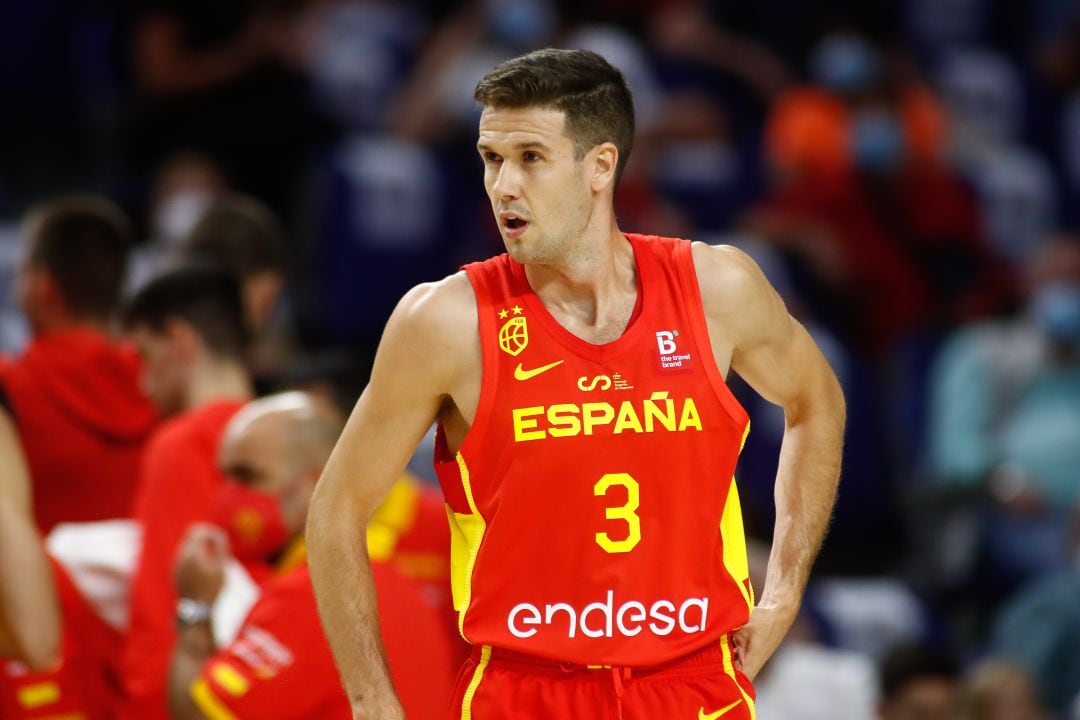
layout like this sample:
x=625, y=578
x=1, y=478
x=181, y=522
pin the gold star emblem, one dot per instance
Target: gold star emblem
x=503, y=314
x=516, y=309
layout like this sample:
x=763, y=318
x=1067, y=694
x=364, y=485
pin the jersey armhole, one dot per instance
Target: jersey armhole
x=488, y=361
x=695, y=310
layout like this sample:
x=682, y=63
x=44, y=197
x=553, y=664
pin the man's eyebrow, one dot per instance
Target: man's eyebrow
x=527, y=145
x=530, y=144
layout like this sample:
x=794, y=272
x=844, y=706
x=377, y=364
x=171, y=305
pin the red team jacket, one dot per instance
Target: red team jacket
x=179, y=486
x=594, y=514
x=82, y=421
x=280, y=666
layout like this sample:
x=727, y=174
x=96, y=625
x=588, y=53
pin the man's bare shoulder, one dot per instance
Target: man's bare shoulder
x=445, y=309
x=733, y=288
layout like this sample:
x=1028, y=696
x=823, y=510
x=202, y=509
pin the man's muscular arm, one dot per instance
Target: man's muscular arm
x=427, y=343
x=29, y=611
x=775, y=355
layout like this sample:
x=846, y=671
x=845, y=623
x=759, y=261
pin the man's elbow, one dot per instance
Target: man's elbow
x=820, y=402
x=37, y=645
x=334, y=503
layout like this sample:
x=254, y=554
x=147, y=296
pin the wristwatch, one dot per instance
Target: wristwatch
x=191, y=612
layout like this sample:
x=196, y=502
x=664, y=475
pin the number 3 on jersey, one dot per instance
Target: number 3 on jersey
x=625, y=512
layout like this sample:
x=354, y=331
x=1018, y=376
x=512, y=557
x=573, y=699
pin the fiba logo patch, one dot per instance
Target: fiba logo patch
x=514, y=336
x=667, y=345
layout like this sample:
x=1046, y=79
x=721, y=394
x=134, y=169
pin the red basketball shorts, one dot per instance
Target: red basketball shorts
x=501, y=685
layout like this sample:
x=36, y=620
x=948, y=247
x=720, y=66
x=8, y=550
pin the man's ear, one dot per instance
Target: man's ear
x=40, y=292
x=605, y=161
x=261, y=293
x=183, y=339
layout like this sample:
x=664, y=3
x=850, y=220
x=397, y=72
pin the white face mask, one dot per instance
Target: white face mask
x=177, y=215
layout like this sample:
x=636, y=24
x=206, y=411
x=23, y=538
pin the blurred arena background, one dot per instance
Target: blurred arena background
x=907, y=174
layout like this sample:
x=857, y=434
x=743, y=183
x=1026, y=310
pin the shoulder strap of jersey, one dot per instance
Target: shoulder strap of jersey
x=492, y=281
x=695, y=310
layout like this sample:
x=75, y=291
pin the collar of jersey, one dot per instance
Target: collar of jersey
x=643, y=259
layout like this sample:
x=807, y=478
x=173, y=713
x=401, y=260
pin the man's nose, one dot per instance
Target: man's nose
x=507, y=183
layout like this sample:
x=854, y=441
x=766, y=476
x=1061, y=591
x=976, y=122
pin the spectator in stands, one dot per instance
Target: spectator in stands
x=75, y=387
x=918, y=683
x=184, y=187
x=998, y=690
x=242, y=235
x=890, y=236
x=273, y=452
x=219, y=78
x=1005, y=416
x=1038, y=630
x=190, y=329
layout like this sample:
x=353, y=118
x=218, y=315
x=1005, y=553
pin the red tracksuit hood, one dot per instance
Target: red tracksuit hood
x=92, y=381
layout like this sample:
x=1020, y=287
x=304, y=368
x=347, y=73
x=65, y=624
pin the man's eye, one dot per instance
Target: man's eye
x=531, y=157
x=491, y=157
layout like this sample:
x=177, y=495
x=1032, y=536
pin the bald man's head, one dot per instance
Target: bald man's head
x=279, y=445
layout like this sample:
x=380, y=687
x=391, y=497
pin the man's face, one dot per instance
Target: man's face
x=162, y=368
x=254, y=455
x=538, y=191
x=922, y=699
x=258, y=454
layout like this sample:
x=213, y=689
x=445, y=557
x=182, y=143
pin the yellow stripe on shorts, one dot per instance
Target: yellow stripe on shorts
x=729, y=669
x=478, y=674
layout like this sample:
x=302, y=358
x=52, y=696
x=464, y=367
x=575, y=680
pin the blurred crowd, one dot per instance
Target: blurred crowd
x=257, y=182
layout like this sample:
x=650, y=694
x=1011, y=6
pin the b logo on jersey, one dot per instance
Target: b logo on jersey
x=514, y=336
x=665, y=341
x=667, y=345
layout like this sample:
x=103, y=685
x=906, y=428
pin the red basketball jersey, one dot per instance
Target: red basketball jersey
x=593, y=509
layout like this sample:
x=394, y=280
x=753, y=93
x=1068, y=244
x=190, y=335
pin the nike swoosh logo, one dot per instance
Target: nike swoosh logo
x=521, y=373
x=722, y=711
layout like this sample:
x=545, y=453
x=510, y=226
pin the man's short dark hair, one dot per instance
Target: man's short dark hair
x=207, y=298
x=83, y=243
x=909, y=663
x=594, y=95
x=241, y=234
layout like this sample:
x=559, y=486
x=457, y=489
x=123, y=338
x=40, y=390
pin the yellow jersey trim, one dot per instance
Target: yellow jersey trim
x=474, y=684
x=729, y=670
x=37, y=695
x=466, y=536
x=734, y=538
x=208, y=702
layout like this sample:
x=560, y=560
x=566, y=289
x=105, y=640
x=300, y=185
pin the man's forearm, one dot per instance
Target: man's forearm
x=194, y=646
x=345, y=591
x=30, y=623
x=806, y=483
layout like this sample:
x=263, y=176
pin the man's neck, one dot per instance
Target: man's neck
x=214, y=380
x=65, y=324
x=595, y=289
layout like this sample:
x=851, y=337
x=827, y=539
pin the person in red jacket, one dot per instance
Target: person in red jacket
x=189, y=327
x=53, y=648
x=74, y=393
x=280, y=664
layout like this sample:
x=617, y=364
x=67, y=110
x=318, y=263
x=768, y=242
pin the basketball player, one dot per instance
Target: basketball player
x=587, y=438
